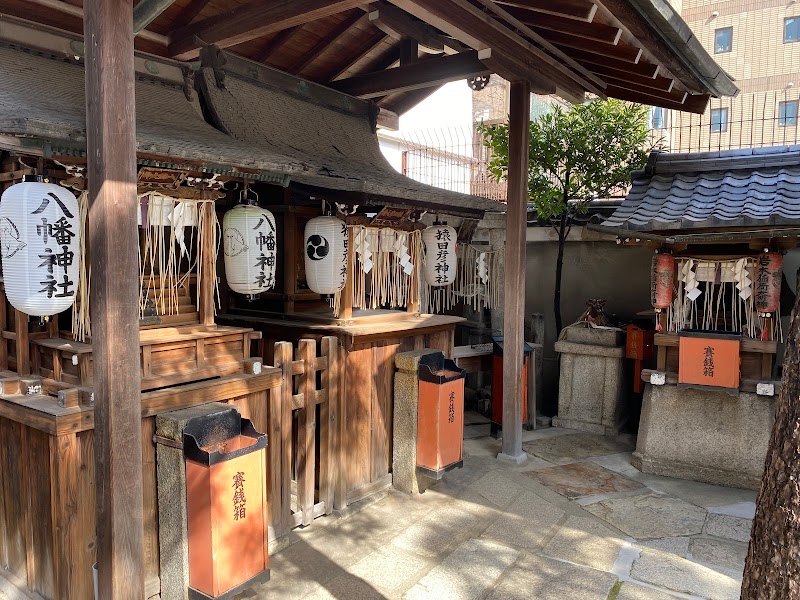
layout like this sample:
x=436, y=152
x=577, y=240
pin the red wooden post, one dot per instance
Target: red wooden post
x=111, y=144
x=514, y=300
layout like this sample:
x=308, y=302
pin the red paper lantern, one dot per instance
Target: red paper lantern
x=661, y=281
x=769, y=271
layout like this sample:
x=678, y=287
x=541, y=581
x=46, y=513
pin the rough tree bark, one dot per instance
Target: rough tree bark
x=562, y=239
x=772, y=569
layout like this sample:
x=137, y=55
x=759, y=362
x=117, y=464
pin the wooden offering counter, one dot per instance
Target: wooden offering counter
x=367, y=347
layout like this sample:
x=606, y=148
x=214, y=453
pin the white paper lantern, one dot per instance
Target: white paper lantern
x=440, y=254
x=326, y=254
x=40, y=239
x=250, y=246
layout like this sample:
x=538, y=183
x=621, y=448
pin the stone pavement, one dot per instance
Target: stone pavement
x=576, y=521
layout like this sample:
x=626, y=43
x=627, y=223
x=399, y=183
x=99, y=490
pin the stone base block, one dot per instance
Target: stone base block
x=703, y=435
x=585, y=426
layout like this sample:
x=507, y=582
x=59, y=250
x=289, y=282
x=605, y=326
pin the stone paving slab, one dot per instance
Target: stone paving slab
x=678, y=546
x=565, y=449
x=586, y=542
x=468, y=573
x=726, y=526
x=719, y=552
x=497, y=488
x=546, y=579
x=681, y=575
x=632, y=591
x=581, y=479
x=433, y=535
x=526, y=524
x=651, y=516
x=388, y=568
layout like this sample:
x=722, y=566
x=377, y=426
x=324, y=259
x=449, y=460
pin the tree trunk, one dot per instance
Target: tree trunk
x=772, y=569
x=562, y=238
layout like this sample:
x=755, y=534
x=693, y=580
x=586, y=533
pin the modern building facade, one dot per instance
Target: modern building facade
x=758, y=43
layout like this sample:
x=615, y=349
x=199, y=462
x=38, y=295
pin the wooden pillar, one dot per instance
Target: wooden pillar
x=514, y=299
x=113, y=238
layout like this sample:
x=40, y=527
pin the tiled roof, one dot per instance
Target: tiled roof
x=327, y=129
x=741, y=188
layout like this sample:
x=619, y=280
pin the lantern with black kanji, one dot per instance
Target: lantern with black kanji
x=250, y=247
x=440, y=254
x=40, y=239
x=769, y=272
x=662, y=278
x=325, y=243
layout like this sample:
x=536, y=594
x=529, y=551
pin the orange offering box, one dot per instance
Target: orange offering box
x=225, y=505
x=440, y=416
x=709, y=359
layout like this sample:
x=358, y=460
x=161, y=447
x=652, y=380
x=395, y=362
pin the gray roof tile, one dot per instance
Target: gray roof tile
x=742, y=188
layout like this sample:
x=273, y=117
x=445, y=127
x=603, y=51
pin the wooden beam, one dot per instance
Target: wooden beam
x=668, y=93
x=251, y=21
x=353, y=57
x=514, y=299
x=147, y=11
x=510, y=69
x=558, y=54
x=433, y=72
x=277, y=42
x=600, y=32
x=64, y=8
x=113, y=237
x=325, y=42
x=399, y=25
x=386, y=120
x=402, y=103
x=409, y=52
x=189, y=14
x=579, y=10
x=469, y=24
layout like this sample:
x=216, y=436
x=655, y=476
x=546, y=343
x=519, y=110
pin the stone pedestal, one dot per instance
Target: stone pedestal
x=173, y=536
x=701, y=435
x=591, y=386
x=406, y=404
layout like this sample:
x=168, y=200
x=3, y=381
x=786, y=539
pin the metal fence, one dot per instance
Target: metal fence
x=455, y=158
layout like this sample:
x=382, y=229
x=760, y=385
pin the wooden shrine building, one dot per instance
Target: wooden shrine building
x=720, y=224
x=160, y=121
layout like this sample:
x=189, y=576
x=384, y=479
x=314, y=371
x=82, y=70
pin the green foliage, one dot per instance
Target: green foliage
x=577, y=154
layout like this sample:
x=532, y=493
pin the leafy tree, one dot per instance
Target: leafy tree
x=576, y=155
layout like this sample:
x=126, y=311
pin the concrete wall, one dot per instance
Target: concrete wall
x=597, y=269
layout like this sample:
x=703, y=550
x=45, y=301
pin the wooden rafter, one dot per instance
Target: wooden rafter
x=251, y=21
x=600, y=32
x=475, y=28
x=353, y=57
x=579, y=10
x=147, y=11
x=645, y=69
x=695, y=103
x=433, y=72
x=402, y=103
x=278, y=41
x=189, y=14
x=611, y=75
x=621, y=51
x=324, y=43
x=399, y=25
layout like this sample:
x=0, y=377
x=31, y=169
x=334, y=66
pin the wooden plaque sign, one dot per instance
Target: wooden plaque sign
x=709, y=361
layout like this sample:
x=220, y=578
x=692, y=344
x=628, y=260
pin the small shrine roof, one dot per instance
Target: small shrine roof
x=734, y=188
x=277, y=112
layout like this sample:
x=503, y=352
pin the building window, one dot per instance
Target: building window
x=787, y=113
x=723, y=40
x=719, y=120
x=658, y=117
x=791, y=29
